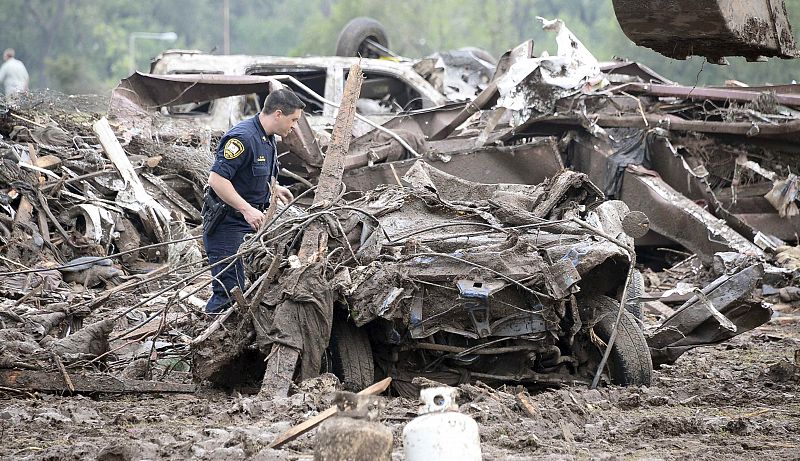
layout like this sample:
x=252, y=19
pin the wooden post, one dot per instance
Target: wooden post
x=315, y=239
x=282, y=360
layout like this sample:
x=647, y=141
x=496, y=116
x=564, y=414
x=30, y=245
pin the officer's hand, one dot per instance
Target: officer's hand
x=283, y=194
x=253, y=217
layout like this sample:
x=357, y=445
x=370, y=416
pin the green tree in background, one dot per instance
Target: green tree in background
x=79, y=46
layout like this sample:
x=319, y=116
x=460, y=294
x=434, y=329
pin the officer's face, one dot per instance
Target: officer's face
x=286, y=122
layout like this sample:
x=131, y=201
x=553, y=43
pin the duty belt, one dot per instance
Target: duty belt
x=259, y=207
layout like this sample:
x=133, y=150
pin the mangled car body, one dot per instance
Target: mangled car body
x=512, y=302
x=458, y=281
x=391, y=86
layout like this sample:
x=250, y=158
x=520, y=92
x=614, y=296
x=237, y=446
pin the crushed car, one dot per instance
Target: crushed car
x=458, y=281
x=455, y=281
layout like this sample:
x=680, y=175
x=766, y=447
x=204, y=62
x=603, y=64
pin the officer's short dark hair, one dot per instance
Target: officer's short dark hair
x=284, y=100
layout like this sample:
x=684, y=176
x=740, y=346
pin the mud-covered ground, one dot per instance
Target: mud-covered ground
x=739, y=400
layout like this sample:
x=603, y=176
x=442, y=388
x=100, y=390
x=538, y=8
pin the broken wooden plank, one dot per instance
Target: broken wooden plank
x=48, y=162
x=158, y=189
x=63, y=370
x=526, y=405
x=134, y=197
x=658, y=308
x=309, y=424
x=25, y=209
x=45, y=381
x=24, y=216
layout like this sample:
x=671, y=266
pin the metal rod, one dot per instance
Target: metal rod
x=458, y=350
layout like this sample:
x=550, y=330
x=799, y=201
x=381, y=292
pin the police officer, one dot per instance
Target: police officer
x=243, y=171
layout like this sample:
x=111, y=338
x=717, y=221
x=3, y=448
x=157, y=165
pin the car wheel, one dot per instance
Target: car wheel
x=635, y=292
x=350, y=353
x=353, y=37
x=629, y=362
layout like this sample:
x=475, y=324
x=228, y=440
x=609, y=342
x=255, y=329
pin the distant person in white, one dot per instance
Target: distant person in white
x=13, y=74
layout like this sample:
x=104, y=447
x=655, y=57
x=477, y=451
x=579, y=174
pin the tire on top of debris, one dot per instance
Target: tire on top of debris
x=350, y=353
x=629, y=363
x=353, y=38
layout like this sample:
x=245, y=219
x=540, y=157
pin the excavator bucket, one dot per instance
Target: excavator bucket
x=710, y=28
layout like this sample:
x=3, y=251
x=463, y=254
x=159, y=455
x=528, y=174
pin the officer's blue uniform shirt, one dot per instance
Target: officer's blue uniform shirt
x=247, y=157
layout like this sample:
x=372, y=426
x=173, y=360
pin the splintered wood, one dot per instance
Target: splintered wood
x=136, y=198
x=315, y=239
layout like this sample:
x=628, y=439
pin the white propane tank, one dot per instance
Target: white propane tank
x=440, y=432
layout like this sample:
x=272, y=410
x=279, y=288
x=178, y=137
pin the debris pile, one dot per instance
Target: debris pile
x=85, y=226
x=442, y=238
x=497, y=241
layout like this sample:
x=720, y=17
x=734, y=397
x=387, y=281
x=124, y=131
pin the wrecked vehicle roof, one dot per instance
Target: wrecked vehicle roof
x=151, y=91
x=392, y=85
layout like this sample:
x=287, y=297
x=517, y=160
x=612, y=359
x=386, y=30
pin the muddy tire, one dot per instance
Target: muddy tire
x=352, y=38
x=633, y=303
x=629, y=363
x=350, y=353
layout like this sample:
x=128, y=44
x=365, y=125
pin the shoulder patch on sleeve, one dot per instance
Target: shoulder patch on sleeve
x=233, y=148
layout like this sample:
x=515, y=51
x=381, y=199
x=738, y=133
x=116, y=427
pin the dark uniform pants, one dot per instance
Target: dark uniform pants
x=223, y=242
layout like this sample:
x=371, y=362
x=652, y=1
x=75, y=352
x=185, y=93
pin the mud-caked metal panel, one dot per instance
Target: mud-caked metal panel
x=671, y=214
x=524, y=164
